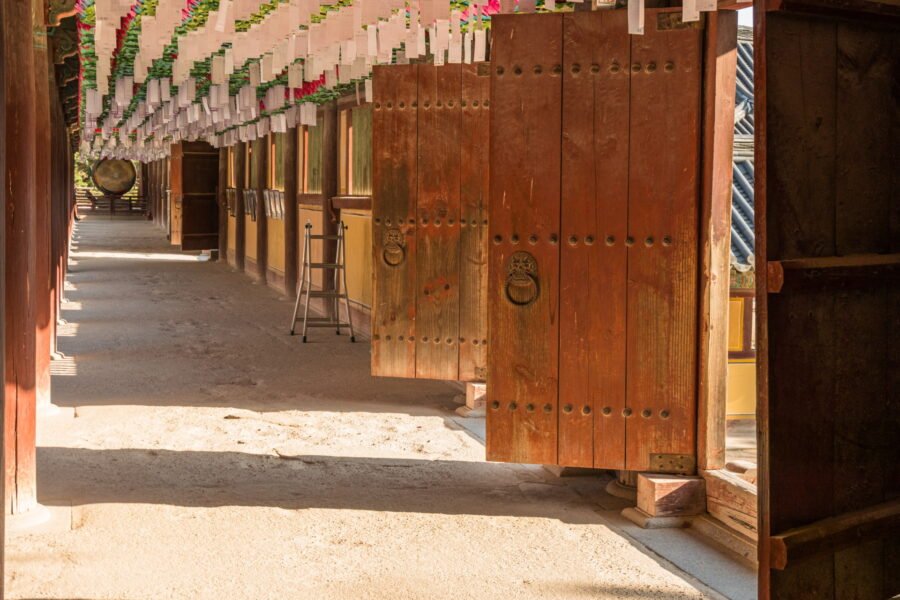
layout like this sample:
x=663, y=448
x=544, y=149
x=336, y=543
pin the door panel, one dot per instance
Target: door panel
x=194, y=172
x=829, y=361
x=594, y=205
x=663, y=180
x=473, y=221
x=523, y=292
x=394, y=138
x=594, y=225
x=438, y=210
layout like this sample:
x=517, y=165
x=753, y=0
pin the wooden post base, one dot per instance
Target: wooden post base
x=476, y=394
x=667, y=500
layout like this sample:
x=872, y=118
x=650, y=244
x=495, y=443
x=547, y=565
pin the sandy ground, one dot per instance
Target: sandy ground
x=207, y=454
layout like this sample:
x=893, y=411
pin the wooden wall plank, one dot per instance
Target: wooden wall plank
x=831, y=126
x=594, y=225
x=394, y=221
x=176, y=184
x=864, y=77
x=437, y=214
x=526, y=98
x=473, y=236
x=662, y=242
x=800, y=129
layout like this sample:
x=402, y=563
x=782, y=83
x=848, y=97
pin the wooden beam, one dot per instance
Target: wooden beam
x=720, y=66
x=835, y=533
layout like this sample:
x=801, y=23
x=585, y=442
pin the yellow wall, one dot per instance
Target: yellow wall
x=232, y=233
x=249, y=237
x=741, y=396
x=314, y=215
x=275, y=245
x=358, y=238
x=741, y=384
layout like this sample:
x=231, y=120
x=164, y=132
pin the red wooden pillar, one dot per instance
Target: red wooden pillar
x=42, y=189
x=19, y=148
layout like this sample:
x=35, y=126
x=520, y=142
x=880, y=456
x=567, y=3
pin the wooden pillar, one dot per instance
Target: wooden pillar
x=261, y=156
x=3, y=208
x=291, y=234
x=720, y=64
x=223, y=203
x=60, y=154
x=42, y=190
x=330, y=162
x=240, y=154
x=19, y=148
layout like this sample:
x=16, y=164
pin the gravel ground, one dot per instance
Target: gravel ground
x=207, y=454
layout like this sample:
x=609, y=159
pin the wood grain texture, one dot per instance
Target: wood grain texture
x=526, y=98
x=437, y=214
x=474, y=187
x=719, y=69
x=394, y=142
x=173, y=201
x=662, y=239
x=800, y=221
x=594, y=225
x=19, y=150
x=830, y=128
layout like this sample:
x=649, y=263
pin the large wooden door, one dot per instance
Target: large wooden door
x=430, y=178
x=828, y=307
x=595, y=138
x=195, y=208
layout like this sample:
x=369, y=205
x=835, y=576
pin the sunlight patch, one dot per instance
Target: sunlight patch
x=144, y=256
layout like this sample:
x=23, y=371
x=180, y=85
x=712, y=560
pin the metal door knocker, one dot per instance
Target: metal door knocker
x=394, y=253
x=521, y=279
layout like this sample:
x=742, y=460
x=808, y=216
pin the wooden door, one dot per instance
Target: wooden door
x=430, y=223
x=828, y=307
x=593, y=254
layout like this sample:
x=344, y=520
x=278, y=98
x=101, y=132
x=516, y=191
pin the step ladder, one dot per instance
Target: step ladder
x=336, y=295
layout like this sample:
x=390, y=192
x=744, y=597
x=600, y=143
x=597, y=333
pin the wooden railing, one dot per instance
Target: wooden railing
x=90, y=200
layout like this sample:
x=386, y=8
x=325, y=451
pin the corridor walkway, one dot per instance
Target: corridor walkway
x=206, y=454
